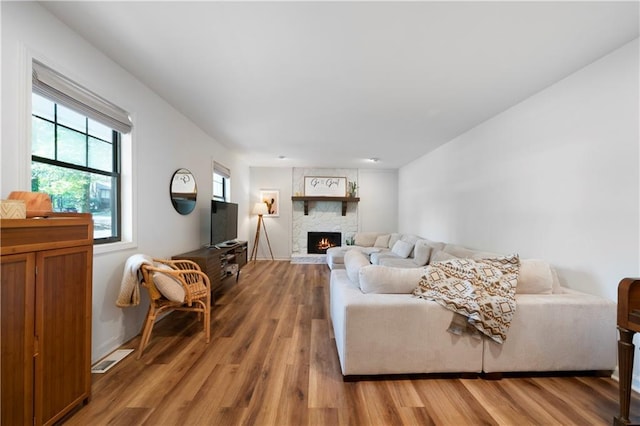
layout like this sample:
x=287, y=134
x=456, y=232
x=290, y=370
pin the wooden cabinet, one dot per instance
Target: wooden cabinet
x=217, y=262
x=45, y=302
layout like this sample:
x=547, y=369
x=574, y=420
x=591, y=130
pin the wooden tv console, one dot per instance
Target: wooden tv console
x=217, y=262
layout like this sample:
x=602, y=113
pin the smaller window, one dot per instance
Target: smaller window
x=221, y=182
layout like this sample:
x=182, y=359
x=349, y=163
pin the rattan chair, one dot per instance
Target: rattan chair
x=197, y=293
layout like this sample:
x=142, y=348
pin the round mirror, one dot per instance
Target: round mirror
x=183, y=191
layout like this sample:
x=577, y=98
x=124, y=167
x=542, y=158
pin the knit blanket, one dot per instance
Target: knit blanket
x=129, y=286
x=482, y=291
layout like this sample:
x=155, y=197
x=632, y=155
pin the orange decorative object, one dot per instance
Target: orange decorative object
x=37, y=203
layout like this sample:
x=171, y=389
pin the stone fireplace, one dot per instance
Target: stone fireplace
x=323, y=216
x=319, y=242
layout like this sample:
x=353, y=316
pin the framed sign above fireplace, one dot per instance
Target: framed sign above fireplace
x=328, y=186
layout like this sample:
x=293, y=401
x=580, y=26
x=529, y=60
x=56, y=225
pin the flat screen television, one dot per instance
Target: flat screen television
x=224, y=223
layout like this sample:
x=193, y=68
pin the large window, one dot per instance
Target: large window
x=75, y=154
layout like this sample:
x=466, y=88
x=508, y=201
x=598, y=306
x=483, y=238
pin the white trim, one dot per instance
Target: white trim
x=24, y=118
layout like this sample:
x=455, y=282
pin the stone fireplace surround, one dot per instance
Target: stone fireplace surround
x=324, y=216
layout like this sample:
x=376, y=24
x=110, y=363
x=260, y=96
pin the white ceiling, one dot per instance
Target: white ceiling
x=329, y=84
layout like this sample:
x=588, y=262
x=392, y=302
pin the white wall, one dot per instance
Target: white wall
x=278, y=228
x=163, y=141
x=554, y=177
x=378, y=206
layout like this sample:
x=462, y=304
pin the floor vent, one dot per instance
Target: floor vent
x=109, y=361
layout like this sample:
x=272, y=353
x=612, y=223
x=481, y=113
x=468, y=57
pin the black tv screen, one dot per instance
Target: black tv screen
x=224, y=222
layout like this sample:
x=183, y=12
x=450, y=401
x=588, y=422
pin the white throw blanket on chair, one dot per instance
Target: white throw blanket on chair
x=129, y=287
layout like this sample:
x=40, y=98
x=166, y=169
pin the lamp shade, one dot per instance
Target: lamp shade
x=260, y=209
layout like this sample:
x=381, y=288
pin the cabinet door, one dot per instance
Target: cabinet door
x=17, y=344
x=63, y=327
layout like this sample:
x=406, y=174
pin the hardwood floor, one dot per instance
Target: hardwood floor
x=272, y=361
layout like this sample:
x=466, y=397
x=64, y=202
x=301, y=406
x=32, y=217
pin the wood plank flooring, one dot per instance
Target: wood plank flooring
x=272, y=361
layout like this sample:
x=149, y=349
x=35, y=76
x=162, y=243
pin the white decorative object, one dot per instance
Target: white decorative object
x=329, y=186
x=13, y=209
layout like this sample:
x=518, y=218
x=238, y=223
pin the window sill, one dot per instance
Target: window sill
x=113, y=247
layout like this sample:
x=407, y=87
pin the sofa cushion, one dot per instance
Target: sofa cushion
x=422, y=252
x=397, y=262
x=353, y=261
x=393, y=238
x=389, y=280
x=459, y=251
x=382, y=241
x=466, y=253
x=167, y=285
x=366, y=239
x=439, y=256
x=436, y=246
x=535, y=277
x=556, y=282
x=376, y=258
x=402, y=248
x=369, y=250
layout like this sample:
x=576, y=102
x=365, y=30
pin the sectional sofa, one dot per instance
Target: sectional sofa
x=381, y=328
x=398, y=250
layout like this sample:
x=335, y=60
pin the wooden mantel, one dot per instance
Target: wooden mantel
x=343, y=200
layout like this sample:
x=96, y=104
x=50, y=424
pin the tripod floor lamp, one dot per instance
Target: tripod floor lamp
x=260, y=209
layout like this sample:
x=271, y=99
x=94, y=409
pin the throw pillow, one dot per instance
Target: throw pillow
x=393, y=238
x=422, y=251
x=409, y=238
x=170, y=287
x=353, y=261
x=365, y=239
x=382, y=241
x=535, y=277
x=402, y=248
x=389, y=280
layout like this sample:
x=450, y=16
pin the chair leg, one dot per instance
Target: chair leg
x=207, y=322
x=146, y=330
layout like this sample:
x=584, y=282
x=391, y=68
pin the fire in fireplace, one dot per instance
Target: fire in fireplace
x=319, y=242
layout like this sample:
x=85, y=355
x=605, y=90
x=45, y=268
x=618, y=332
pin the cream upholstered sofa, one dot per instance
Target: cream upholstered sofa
x=389, y=249
x=381, y=328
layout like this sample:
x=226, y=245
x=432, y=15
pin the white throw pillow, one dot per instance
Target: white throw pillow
x=388, y=280
x=422, y=251
x=353, y=261
x=382, y=241
x=170, y=287
x=402, y=248
x=393, y=238
x=410, y=238
x=365, y=239
x=535, y=277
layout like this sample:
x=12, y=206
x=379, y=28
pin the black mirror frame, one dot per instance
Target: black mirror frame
x=183, y=202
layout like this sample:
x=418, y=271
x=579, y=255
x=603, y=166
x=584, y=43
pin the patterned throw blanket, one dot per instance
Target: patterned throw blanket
x=481, y=290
